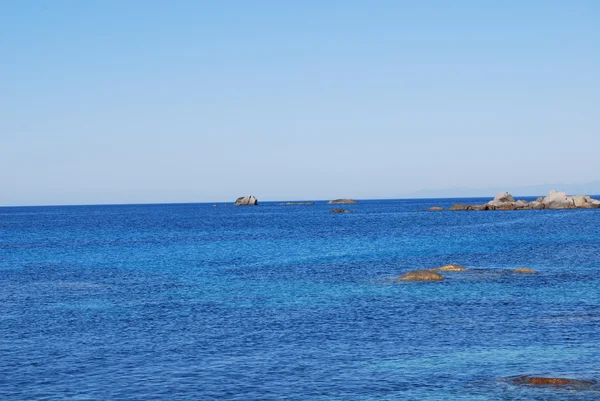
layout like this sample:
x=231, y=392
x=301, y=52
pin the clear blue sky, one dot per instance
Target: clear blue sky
x=191, y=101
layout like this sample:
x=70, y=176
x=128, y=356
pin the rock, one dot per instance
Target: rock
x=450, y=268
x=558, y=200
x=496, y=205
x=594, y=201
x=503, y=197
x=589, y=205
x=537, y=205
x=540, y=199
x=550, y=381
x=459, y=206
x=436, y=208
x=420, y=275
x=521, y=204
x=342, y=202
x=580, y=200
x=478, y=207
x=524, y=270
x=340, y=210
x=246, y=201
x=506, y=206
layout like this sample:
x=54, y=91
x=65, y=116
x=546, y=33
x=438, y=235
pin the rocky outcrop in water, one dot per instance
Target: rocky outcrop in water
x=342, y=202
x=420, y=275
x=450, y=268
x=554, y=200
x=246, y=201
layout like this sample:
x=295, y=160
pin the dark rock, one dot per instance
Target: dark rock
x=246, y=201
x=420, y=275
x=342, y=202
x=340, y=210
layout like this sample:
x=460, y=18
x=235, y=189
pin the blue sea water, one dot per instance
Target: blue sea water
x=197, y=302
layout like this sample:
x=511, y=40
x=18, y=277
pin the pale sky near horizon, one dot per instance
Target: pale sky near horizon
x=201, y=101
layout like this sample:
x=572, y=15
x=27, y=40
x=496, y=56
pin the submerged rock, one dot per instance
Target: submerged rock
x=246, y=201
x=450, y=268
x=550, y=381
x=340, y=210
x=436, y=208
x=346, y=201
x=420, y=275
x=524, y=270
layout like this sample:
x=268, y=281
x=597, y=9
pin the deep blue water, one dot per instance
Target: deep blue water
x=195, y=302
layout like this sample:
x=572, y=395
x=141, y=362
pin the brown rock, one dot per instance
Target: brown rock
x=459, y=206
x=550, y=381
x=524, y=270
x=588, y=205
x=505, y=206
x=420, y=275
x=450, y=268
x=436, y=208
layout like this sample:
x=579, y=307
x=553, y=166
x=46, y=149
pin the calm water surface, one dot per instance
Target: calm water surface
x=195, y=302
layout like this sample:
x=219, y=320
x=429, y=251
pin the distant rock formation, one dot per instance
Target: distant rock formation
x=420, y=275
x=554, y=200
x=246, y=201
x=342, y=202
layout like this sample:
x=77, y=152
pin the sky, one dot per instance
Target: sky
x=204, y=101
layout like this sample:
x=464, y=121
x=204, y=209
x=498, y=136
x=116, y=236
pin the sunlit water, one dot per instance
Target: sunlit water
x=196, y=302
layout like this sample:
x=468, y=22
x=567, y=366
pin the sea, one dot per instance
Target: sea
x=272, y=302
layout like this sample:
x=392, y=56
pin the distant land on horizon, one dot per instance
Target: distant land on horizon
x=591, y=188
